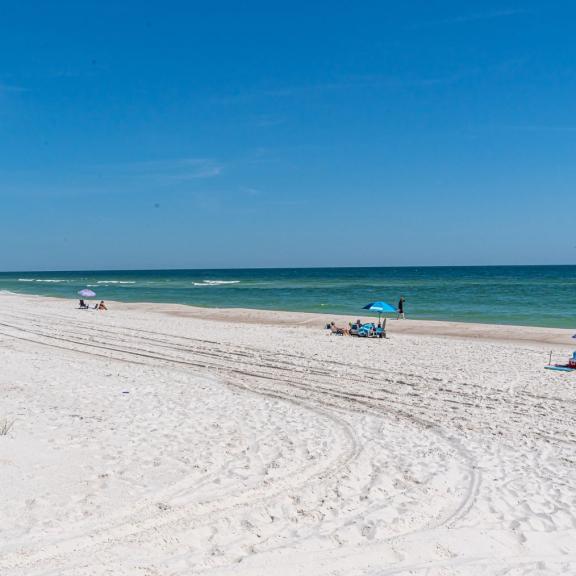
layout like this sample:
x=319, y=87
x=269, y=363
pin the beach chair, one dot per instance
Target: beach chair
x=381, y=330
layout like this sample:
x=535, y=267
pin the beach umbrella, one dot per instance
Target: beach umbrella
x=380, y=307
x=87, y=293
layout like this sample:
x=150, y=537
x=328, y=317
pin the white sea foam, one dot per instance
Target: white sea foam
x=215, y=282
x=115, y=282
x=48, y=280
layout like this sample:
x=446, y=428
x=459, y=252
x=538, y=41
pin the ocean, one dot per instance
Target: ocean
x=520, y=295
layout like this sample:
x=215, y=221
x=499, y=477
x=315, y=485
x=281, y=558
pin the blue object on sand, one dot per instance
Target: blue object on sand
x=370, y=329
x=560, y=368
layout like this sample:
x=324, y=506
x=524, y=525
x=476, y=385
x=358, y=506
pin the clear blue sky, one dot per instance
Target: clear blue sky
x=237, y=134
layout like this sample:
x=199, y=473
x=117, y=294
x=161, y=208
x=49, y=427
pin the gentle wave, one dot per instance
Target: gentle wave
x=215, y=282
x=41, y=280
x=115, y=282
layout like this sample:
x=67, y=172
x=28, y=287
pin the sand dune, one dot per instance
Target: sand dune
x=160, y=441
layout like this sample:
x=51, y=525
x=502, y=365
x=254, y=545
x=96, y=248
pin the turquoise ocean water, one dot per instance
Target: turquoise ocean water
x=523, y=295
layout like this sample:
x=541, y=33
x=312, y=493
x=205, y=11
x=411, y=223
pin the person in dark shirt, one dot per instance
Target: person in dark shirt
x=401, y=308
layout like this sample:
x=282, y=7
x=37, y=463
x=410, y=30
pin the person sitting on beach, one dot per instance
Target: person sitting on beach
x=102, y=306
x=354, y=327
x=339, y=331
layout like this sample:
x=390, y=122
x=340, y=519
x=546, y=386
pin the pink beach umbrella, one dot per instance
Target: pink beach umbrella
x=87, y=293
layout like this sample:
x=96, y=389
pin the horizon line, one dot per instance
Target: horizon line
x=98, y=270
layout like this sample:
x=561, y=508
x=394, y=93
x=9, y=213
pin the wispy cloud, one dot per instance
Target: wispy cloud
x=559, y=128
x=9, y=88
x=267, y=120
x=467, y=18
x=383, y=81
x=113, y=178
x=261, y=155
x=249, y=191
x=173, y=170
x=342, y=84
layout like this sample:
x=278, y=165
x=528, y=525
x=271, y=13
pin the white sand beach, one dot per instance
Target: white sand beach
x=162, y=440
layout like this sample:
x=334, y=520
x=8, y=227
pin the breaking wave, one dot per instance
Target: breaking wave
x=215, y=282
x=40, y=280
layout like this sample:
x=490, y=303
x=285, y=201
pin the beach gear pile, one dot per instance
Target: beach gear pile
x=569, y=367
x=370, y=330
x=367, y=330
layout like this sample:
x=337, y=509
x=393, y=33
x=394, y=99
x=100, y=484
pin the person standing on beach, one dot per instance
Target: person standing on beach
x=401, y=308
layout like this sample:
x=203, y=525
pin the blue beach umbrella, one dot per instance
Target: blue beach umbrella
x=380, y=307
x=87, y=293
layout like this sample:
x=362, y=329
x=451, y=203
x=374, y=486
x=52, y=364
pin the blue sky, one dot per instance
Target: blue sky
x=239, y=134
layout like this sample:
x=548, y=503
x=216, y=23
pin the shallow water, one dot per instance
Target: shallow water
x=522, y=295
